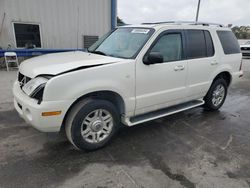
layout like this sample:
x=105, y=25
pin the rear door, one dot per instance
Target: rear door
x=201, y=61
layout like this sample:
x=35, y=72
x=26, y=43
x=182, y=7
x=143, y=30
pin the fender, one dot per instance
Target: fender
x=220, y=69
x=118, y=78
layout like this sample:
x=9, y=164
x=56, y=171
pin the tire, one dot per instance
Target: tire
x=216, y=95
x=91, y=124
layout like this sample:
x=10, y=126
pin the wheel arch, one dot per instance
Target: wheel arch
x=226, y=75
x=108, y=95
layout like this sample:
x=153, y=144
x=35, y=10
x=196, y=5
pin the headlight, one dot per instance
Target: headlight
x=34, y=85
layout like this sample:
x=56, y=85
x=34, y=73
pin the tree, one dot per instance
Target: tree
x=242, y=32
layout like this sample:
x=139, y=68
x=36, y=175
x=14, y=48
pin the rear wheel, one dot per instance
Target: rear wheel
x=216, y=95
x=91, y=124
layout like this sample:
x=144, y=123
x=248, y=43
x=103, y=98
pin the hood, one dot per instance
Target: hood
x=245, y=45
x=57, y=63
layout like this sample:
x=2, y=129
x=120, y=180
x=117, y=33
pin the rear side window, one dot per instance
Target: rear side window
x=229, y=42
x=199, y=44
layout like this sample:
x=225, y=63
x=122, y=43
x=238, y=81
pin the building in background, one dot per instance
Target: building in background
x=54, y=24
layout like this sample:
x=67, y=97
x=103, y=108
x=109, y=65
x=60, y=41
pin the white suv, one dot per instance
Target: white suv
x=131, y=75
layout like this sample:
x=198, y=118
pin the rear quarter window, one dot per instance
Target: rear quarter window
x=229, y=42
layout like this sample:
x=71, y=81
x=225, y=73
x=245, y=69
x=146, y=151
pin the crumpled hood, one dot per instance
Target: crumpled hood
x=57, y=63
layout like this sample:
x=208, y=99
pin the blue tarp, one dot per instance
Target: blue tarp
x=35, y=52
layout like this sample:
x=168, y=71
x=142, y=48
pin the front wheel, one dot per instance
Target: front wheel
x=92, y=123
x=216, y=95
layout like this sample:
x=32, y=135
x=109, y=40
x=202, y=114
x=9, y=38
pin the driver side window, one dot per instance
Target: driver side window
x=169, y=46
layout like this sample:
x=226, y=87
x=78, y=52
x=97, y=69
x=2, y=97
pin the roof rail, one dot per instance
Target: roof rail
x=186, y=22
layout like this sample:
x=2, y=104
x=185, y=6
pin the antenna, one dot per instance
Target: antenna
x=198, y=10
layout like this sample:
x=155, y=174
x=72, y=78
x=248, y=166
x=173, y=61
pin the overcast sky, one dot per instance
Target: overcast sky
x=236, y=12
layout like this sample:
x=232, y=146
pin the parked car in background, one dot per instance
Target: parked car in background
x=132, y=75
x=245, y=49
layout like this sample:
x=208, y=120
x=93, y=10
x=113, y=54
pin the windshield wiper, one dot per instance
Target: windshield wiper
x=98, y=52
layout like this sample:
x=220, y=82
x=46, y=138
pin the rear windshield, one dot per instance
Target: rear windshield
x=229, y=42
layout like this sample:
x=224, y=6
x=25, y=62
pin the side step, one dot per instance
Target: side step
x=163, y=112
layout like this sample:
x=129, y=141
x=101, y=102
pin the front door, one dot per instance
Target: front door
x=163, y=84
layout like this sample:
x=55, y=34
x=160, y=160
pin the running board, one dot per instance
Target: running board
x=163, y=112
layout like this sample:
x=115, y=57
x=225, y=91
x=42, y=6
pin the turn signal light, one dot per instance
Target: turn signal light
x=54, y=113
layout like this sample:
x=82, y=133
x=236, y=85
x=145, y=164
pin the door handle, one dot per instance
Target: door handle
x=214, y=63
x=179, y=68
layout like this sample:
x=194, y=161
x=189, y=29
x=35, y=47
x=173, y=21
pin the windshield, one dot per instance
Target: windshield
x=122, y=42
x=248, y=42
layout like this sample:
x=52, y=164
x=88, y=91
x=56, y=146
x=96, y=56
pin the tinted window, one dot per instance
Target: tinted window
x=27, y=35
x=169, y=46
x=209, y=43
x=196, y=44
x=229, y=42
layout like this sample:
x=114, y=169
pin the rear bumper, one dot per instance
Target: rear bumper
x=31, y=112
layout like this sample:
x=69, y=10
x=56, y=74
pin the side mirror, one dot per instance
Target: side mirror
x=153, y=58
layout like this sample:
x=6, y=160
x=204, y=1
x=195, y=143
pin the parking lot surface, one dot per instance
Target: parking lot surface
x=194, y=148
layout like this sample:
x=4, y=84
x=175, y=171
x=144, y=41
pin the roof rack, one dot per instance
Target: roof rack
x=186, y=22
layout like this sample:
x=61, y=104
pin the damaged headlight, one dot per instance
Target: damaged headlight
x=34, y=88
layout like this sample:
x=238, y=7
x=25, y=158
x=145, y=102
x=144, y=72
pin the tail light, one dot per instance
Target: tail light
x=241, y=65
x=241, y=75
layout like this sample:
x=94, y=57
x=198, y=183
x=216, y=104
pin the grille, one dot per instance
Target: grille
x=245, y=48
x=23, y=79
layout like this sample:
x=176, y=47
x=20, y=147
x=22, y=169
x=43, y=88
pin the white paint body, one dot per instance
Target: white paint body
x=143, y=88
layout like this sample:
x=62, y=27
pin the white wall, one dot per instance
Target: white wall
x=63, y=22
